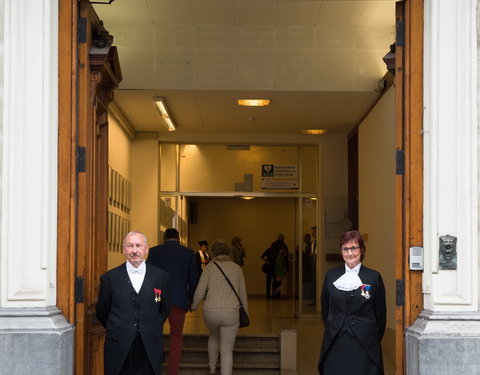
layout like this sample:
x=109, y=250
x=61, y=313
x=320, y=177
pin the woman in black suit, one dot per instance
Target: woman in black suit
x=354, y=314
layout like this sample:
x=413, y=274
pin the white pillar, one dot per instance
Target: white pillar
x=34, y=337
x=29, y=154
x=450, y=149
x=445, y=339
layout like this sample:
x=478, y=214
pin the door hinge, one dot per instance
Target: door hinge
x=82, y=30
x=400, y=162
x=400, y=295
x=400, y=33
x=81, y=159
x=79, y=290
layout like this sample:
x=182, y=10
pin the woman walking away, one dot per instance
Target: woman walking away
x=354, y=314
x=220, y=307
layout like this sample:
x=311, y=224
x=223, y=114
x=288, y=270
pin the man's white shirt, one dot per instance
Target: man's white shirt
x=136, y=275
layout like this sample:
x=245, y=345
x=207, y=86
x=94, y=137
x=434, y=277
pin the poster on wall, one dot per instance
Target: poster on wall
x=279, y=176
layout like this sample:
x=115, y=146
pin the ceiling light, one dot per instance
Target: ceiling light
x=253, y=102
x=247, y=198
x=165, y=113
x=315, y=131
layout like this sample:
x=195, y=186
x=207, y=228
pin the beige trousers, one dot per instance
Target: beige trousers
x=223, y=327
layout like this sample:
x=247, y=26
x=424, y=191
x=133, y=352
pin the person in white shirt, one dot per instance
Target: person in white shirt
x=202, y=257
x=132, y=306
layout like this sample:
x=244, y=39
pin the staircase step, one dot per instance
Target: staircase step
x=201, y=368
x=252, y=357
x=242, y=341
x=259, y=354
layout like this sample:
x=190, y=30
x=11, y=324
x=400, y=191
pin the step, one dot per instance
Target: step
x=201, y=368
x=253, y=355
x=242, y=341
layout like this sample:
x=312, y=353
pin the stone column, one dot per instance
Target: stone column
x=34, y=337
x=445, y=339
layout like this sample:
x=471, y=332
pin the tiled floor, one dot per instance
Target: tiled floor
x=269, y=316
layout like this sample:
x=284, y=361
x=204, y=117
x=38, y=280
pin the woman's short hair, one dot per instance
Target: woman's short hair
x=219, y=247
x=354, y=235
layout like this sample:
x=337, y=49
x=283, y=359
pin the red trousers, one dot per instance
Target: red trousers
x=176, y=319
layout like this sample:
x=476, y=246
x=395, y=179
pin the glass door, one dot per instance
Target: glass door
x=306, y=256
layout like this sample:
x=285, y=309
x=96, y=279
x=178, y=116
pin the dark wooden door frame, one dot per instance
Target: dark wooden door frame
x=89, y=71
x=409, y=179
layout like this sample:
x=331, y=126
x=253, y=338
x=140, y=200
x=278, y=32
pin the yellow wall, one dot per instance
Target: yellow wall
x=145, y=163
x=377, y=193
x=257, y=222
x=119, y=156
x=216, y=168
x=333, y=195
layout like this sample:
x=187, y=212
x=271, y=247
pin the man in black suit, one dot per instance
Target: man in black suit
x=132, y=306
x=179, y=263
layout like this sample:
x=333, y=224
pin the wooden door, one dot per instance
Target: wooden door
x=409, y=180
x=89, y=71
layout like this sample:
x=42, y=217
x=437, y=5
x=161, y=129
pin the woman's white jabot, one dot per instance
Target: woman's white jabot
x=349, y=280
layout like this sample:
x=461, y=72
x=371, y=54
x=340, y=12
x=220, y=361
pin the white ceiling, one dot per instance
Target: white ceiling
x=318, y=61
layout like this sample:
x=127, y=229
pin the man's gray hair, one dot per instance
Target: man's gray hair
x=132, y=233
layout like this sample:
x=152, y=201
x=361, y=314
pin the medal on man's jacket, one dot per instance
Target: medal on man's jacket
x=158, y=293
x=365, y=290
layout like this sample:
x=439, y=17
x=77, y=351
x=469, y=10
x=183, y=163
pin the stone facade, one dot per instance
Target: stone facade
x=34, y=336
x=445, y=339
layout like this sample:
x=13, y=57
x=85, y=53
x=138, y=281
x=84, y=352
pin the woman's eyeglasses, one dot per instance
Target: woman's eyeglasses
x=353, y=249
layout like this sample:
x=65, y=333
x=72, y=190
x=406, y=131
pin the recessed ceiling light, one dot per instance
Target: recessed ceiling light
x=247, y=198
x=315, y=131
x=253, y=102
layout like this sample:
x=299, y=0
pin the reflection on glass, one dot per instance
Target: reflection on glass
x=308, y=262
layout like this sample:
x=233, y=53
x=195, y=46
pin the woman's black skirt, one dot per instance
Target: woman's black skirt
x=347, y=357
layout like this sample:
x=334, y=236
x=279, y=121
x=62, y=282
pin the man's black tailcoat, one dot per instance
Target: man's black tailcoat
x=124, y=313
x=364, y=318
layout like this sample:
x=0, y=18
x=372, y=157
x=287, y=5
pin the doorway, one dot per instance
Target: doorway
x=227, y=193
x=410, y=184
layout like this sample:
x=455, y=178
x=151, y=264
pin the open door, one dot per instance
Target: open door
x=88, y=73
x=409, y=180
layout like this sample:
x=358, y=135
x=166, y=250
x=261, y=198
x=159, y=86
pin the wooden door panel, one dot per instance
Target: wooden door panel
x=99, y=74
x=409, y=181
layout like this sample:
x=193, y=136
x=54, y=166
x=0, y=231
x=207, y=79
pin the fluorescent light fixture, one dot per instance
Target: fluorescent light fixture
x=313, y=198
x=247, y=198
x=253, y=102
x=315, y=131
x=166, y=117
